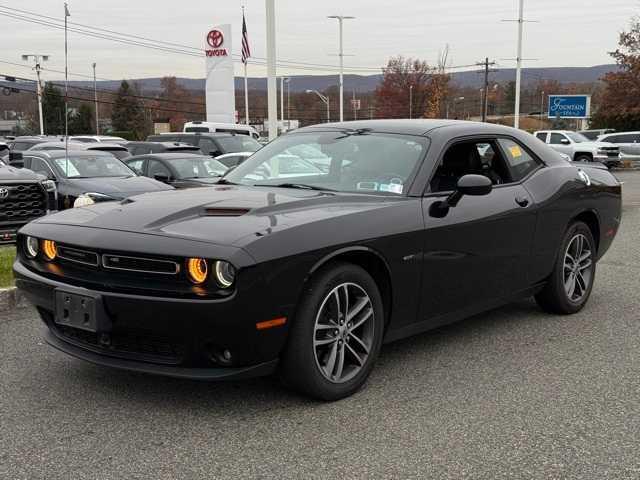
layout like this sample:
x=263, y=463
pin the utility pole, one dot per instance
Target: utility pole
x=288, y=103
x=272, y=95
x=484, y=107
x=341, y=19
x=38, y=59
x=95, y=98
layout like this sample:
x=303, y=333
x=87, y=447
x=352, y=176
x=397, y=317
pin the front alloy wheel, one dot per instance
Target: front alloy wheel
x=344, y=332
x=336, y=334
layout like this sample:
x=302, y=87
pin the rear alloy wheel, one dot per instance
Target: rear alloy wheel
x=336, y=334
x=570, y=284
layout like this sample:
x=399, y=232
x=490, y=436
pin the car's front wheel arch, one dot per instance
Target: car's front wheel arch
x=369, y=260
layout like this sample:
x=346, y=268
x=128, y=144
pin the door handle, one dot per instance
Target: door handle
x=522, y=201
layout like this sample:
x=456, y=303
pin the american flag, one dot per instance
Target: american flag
x=246, y=51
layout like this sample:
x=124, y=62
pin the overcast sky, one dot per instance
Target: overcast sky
x=568, y=33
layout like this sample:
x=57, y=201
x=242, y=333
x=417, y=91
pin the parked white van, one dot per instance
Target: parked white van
x=212, y=127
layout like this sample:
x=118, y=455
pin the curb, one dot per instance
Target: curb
x=11, y=298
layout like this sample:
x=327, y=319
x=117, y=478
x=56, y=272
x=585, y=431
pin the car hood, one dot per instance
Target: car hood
x=17, y=174
x=118, y=187
x=597, y=144
x=223, y=215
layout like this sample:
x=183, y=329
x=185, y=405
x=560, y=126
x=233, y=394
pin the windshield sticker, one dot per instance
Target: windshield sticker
x=391, y=187
x=67, y=167
x=515, y=151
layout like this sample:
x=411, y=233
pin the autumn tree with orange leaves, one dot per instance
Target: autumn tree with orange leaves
x=408, y=79
x=619, y=106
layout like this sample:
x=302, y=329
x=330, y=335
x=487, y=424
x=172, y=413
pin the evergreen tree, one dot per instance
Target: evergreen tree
x=53, y=110
x=128, y=114
x=82, y=122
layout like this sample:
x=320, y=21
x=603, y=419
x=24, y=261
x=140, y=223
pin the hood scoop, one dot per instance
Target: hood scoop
x=225, y=212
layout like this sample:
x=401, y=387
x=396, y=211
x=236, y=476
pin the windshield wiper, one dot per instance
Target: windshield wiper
x=302, y=186
x=224, y=181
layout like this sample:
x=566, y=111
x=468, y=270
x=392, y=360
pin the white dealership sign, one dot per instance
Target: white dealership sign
x=220, y=89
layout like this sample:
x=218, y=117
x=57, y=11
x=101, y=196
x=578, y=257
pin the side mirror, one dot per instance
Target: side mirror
x=16, y=159
x=215, y=153
x=472, y=185
x=565, y=141
x=161, y=177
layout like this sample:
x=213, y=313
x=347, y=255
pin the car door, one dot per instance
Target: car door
x=474, y=256
x=561, y=143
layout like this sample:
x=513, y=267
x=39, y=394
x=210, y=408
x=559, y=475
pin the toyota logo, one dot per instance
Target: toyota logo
x=4, y=193
x=215, y=38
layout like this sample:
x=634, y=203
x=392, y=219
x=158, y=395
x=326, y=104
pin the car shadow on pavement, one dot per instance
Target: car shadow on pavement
x=415, y=354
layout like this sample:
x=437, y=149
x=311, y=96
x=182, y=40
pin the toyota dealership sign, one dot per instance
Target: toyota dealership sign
x=220, y=88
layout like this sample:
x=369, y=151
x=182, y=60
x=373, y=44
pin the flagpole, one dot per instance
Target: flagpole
x=246, y=94
x=66, y=90
x=246, y=87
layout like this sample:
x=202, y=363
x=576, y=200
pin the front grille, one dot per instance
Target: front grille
x=78, y=256
x=141, y=344
x=22, y=202
x=141, y=265
x=611, y=151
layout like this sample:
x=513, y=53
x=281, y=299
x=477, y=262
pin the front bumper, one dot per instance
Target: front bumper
x=177, y=337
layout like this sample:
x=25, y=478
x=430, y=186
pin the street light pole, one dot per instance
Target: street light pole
x=541, y=109
x=516, y=120
x=410, y=101
x=325, y=99
x=95, y=98
x=340, y=19
x=272, y=95
x=38, y=59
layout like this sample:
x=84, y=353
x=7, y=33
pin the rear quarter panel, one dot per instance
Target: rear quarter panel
x=560, y=195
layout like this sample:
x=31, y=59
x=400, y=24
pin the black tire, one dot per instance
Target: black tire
x=554, y=297
x=299, y=368
x=584, y=158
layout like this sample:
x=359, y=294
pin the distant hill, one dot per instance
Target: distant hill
x=367, y=83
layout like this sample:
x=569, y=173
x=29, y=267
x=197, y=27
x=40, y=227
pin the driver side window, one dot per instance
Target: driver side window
x=470, y=157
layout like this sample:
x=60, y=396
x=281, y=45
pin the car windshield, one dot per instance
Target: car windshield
x=92, y=166
x=577, y=137
x=197, y=167
x=358, y=161
x=238, y=143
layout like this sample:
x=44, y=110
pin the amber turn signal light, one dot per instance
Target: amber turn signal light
x=198, y=270
x=49, y=249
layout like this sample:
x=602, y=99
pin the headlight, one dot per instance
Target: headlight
x=32, y=245
x=90, y=198
x=225, y=273
x=49, y=185
x=49, y=249
x=198, y=270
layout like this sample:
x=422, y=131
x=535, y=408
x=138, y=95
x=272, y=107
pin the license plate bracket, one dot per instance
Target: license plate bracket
x=81, y=311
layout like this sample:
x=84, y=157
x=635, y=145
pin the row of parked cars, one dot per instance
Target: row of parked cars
x=37, y=175
x=606, y=146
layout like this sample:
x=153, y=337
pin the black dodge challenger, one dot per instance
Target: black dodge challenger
x=414, y=224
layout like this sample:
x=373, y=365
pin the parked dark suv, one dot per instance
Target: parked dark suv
x=24, y=196
x=164, y=146
x=213, y=144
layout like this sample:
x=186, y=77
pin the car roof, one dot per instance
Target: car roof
x=72, y=153
x=165, y=144
x=421, y=127
x=197, y=134
x=167, y=156
x=611, y=134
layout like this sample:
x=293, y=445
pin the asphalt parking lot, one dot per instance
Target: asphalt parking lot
x=514, y=393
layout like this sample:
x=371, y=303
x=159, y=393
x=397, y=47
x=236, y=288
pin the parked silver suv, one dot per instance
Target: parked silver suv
x=627, y=142
x=579, y=148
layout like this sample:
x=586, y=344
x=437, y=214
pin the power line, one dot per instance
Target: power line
x=170, y=46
